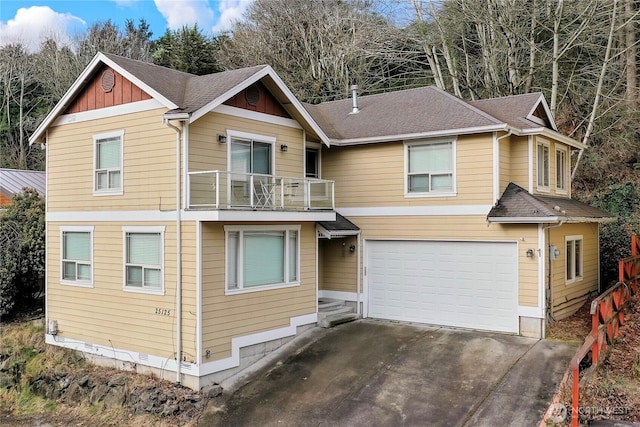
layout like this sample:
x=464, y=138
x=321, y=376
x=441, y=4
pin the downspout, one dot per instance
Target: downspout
x=549, y=275
x=178, y=250
x=358, y=285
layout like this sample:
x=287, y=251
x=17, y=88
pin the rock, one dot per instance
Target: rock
x=82, y=382
x=74, y=395
x=211, y=391
x=117, y=381
x=115, y=397
x=98, y=393
x=170, y=409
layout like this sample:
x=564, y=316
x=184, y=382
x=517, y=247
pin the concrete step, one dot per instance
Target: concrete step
x=334, y=310
x=337, y=319
x=329, y=304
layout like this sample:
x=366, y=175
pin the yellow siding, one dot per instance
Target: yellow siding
x=109, y=316
x=149, y=165
x=338, y=266
x=567, y=298
x=206, y=153
x=553, y=191
x=505, y=163
x=374, y=174
x=463, y=228
x=229, y=316
x=519, y=153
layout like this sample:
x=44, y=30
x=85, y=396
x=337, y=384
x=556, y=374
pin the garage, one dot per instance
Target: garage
x=462, y=284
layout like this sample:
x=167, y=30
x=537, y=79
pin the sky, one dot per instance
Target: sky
x=30, y=21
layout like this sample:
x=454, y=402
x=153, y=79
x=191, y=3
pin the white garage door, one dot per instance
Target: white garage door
x=463, y=284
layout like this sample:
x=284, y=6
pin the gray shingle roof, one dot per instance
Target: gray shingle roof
x=188, y=91
x=413, y=111
x=518, y=205
x=339, y=228
x=512, y=109
x=13, y=181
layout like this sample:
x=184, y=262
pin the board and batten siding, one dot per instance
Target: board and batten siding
x=374, y=174
x=206, y=153
x=109, y=316
x=148, y=174
x=463, y=228
x=567, y=298
x=225, y=317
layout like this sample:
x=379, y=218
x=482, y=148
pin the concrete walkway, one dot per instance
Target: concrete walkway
x=377, y=373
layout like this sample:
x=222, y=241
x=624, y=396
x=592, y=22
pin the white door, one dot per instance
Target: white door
x=463, y=284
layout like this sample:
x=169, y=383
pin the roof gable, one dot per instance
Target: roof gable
x=526, y=111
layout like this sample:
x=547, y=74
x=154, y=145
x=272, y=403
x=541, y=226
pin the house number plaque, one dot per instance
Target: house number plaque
x=163, y=311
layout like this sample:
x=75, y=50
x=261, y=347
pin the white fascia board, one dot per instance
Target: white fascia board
x=547, y=111
x=436, y=210
x=549, y=133
x=524, y=220
x=336, y=233
x=79, y=83
x=257, y=215
x=102, y=113
x=420, y=135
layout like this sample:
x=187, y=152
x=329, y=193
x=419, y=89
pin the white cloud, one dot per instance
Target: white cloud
x=230, y=12
x=185, y=13
x=32, y=25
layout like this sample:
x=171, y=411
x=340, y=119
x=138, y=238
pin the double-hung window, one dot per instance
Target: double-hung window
x=574, y=263
x=77, y=256
x=108, y=162
x=430, y=168
x=262, y=257
x=561, y=170
x=543, y=165
x=143, y=259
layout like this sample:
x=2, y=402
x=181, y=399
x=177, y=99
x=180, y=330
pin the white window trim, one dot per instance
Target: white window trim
x=77, y=229
x=142, y=229
x=453, y=191
x=564, y=190
x=109, y=192
x=543, y=188
x=241, y=229
x=231, y=134
x=581, y=276
x=317, y=148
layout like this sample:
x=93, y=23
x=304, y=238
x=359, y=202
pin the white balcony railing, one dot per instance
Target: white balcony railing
x=232, y=190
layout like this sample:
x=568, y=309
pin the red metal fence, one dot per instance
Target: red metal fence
x=606, y=319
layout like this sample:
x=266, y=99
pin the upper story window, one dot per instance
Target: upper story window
x=108, y=163
x=574, y=264
x=543, y=165
x=251, y=154
x=312, y=163
x=561, y=170
x=77, y=256
x=430, y=168
x=262, y=257
x=143, y=259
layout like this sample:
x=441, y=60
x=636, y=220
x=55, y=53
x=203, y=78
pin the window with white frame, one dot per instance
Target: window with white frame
x=561, y=169
x=575, y=253
x=77, y=256
x=143, y=258
x=543, y=165
x=108, y=162
x=261, y=257
x=312, y=163
x=430, y=168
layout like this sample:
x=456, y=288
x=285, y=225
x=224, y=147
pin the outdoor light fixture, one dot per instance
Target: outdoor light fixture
x=529, y=253
x=284, y=148
x=222, y=138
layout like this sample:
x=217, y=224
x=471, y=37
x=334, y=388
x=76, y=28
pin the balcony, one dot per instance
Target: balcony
x=223, y=190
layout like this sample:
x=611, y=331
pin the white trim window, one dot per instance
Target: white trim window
x=107, y=177
x=251, y=153
x=76, y=261
x=144, y=259
x=574, y=259
x=262, y=257
x=561, y=169
x=543, y=163
x=430, y=168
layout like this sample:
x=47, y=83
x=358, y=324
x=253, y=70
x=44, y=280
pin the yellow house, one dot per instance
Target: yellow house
x=194, y=222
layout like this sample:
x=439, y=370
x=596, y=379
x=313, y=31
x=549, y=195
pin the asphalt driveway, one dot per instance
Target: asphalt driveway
x=378, y=373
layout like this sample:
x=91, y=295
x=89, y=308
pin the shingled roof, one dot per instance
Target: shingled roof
x=339, y=228
x=518, y=110
x=517, y=205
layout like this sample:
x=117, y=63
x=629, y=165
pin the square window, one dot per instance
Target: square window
x=108, y=163
x=574, y=258
x=261, y=258
x=143, y=266
x=77, y=256
x=430, y=168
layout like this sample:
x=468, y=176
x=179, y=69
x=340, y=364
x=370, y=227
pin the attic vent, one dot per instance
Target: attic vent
x=252, y=95
x=108, y=81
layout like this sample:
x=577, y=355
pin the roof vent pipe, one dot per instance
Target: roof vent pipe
x=354, y=96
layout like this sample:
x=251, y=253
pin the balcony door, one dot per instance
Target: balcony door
x=251, y=164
